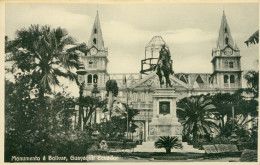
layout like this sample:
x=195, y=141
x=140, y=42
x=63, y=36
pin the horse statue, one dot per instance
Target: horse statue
x=164, y=67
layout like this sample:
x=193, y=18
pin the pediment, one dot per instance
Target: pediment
x=152, y=81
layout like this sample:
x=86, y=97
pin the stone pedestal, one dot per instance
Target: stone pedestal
x=164, y=121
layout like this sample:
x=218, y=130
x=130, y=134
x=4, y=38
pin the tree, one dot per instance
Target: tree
x=20, y=118
x=195, y=115
x=29, y=133
x=168, y=143
x=91, y=104
x=40, y=51
x=223, y=103
x=117, y=126
x=112, y=91
x=252, y=78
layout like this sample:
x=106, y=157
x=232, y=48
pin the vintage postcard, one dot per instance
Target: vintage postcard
x=125, y=82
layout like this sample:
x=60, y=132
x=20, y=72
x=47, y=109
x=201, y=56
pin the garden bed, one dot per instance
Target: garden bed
x=160, y=156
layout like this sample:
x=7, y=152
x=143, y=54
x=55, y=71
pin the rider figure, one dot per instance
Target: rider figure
x=164, y=67
x=164, y=60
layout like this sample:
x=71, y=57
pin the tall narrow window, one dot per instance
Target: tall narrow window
x=90, y=79
x=95, y=78
x=94, y=41
x=232, y=79
x=226, y=40
x=225, y=79
x=231, y=64
x=95, y=31
x=225, y=29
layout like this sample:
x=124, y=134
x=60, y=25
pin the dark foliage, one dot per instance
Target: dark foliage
x=111, y=86
x=31, y=132
x=168, y=143
x=195, y=113
x=252, y=78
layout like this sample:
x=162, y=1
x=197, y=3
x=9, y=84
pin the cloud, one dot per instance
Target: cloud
x=25, y=15
x=127, y=43
x=188, y=35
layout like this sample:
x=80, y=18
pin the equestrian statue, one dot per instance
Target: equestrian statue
x=164, y=66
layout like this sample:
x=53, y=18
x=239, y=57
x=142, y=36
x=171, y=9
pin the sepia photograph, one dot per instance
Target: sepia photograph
x=130, y=82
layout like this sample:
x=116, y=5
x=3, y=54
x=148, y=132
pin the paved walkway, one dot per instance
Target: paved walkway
x=138, y=159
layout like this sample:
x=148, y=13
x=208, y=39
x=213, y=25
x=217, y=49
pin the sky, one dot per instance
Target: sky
x=190, y=30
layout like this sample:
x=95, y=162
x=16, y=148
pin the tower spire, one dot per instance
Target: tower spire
x=224, y=38
x=96, y=38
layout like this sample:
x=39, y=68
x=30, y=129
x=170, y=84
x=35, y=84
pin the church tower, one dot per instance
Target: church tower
x=96, y=60
x=226, y=60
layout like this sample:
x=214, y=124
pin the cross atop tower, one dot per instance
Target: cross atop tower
x=224, y=38
x=96, y=38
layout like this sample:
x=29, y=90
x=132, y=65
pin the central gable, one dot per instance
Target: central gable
x=152, y=81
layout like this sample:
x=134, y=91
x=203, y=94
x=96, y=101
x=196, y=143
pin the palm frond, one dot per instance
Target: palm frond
x=253, y=39
x=167, y=142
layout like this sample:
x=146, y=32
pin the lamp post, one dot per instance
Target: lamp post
x=128, y=106
x=81, y=72
x=130, y=125
x=95, y=91
x=233, y=133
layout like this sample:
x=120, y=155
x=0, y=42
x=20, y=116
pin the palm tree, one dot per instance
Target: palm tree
x=195, y=115
x=40, y=51
x=112, y=91
x=168, y=143
x=253, y=39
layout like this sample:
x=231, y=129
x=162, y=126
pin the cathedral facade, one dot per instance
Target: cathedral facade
x=136, y=89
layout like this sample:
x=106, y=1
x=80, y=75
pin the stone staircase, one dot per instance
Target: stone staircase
x=149, y=147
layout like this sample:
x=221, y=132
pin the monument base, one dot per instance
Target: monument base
x=164, y=121
x=165, y=126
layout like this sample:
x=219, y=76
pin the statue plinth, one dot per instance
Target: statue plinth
x=164, y=121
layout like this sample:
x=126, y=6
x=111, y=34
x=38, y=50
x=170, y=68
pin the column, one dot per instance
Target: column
x=147, y=97
x=146, y=130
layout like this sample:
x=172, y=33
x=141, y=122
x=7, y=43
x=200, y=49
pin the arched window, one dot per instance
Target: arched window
x=226, y=40
x=226, y=64
x=232, y=79
x=90, y=64
x=231, y=64
x=89, y=79
x=95, y=31
x=94, y=41
x=225, y=79
x=95, y=78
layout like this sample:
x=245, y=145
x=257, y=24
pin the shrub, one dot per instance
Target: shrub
x=168, y=143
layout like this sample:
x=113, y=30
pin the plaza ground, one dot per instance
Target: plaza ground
x=128, y=156
x=169, y=159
